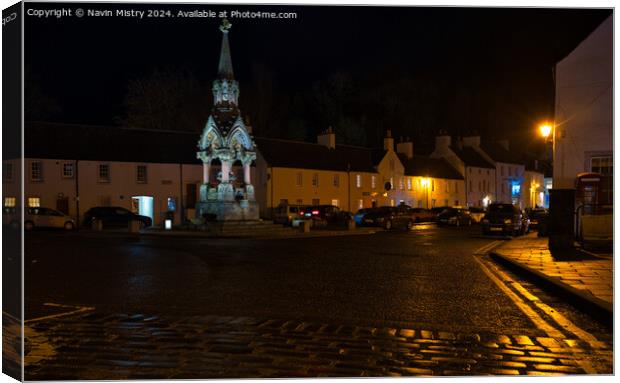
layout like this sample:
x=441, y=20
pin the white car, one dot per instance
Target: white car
x=46, y=217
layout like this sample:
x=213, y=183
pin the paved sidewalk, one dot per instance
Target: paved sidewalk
x=580, y=273
x=141, y=346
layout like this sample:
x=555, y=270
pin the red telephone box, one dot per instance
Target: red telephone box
x=588, y=188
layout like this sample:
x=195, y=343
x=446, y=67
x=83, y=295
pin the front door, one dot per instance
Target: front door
x=62, y=205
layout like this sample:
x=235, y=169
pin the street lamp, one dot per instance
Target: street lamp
x=545, y=130
x=425, y=183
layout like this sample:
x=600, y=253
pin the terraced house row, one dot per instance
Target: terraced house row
x=156, y=173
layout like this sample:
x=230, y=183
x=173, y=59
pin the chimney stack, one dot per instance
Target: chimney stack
x=327, y=138
x=388, y=141
x=443, y=140
x=472, y=139
x=405, y=147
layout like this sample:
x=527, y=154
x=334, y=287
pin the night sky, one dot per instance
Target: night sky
x=491, y=68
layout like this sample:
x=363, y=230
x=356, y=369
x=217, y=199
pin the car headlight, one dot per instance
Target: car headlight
x=508, y=221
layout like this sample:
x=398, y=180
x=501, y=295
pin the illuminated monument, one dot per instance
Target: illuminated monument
x=226, y=139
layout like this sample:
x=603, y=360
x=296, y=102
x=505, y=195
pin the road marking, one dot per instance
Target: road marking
x=491, y=270
x=558, y=318
x=77, y=309
x=488, y=247
x=527, y=310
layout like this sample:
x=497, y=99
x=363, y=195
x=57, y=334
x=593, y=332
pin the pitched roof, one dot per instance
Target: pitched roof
x=105, y=143
x=499, y=154
x=470, y=157
x=108, y=143
x=429, y=167
x=305, y=155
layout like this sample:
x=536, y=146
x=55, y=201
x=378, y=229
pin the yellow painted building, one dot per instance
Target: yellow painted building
x=293, y=172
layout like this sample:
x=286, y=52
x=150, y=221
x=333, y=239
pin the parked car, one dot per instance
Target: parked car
x=114, y=216
x=9, y=217
x=419, y=214
x=389, y=217
x=329, y=214
x=285, y=214
x=455, y=216
x=538, y=217
x=435, y=211
x=46, y=217
x=477, y=213
x=361, y=213
x=504, y=218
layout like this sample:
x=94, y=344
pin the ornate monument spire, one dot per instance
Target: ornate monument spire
x=225, y=69
x=225, y=88
x=226, y=139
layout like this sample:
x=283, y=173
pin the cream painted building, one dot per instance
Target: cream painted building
x=477, y=171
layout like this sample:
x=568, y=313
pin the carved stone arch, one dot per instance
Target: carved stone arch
x=240, y=135
x=210, y=136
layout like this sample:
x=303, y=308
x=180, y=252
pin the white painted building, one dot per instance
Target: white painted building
x=584, y=109
x=478, y=172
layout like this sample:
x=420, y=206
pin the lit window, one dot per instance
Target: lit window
x=335, y=202
x=401, y=183
x=602, y=165
x=315, y=179
x=172, y=204
x=358, y=180
x=36, y=171
x=373, y=182
x=141, y=174
x=392, y=202
x=300, y=179
x=104, y=173
x=67, y=170
x=391, y=182
x=360, y=203
x=9, y=201
x=34, y=202
x=7, y=172
x=284, y=201
x=409, y=183
x=336, y=180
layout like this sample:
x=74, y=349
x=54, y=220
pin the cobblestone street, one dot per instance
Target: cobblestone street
x=429, y=301
x=99, y=346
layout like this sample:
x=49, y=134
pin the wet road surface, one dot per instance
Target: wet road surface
x=428, y=281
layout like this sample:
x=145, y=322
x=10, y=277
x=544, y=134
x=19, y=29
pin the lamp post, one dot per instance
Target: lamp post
x=425, y=183
x=547, y=130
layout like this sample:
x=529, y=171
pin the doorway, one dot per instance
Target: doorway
x=143, y=205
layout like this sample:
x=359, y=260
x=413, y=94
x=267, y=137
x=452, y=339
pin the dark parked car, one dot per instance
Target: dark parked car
x=361, y=213
x=504, y=218
x=389, y=217
x=419, y=214
x=329, y=214
x=435, y=211
x=538, y=217
x=455, y=216
x=114, y=216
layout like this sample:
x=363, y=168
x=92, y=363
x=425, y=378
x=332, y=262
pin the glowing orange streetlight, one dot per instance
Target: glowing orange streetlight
x=545, y=130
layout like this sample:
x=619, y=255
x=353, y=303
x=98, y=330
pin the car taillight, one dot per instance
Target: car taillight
x=315, y=212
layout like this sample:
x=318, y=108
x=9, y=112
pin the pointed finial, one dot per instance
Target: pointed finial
x=225, y=25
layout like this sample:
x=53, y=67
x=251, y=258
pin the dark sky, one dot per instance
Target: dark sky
x=86, y=63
